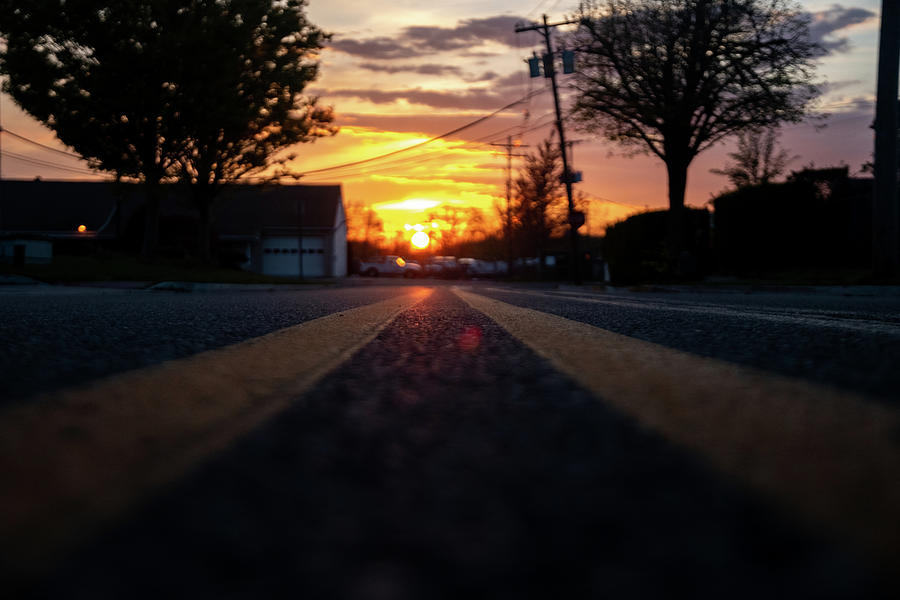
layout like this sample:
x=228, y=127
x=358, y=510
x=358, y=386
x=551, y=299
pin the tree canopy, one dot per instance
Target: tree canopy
x=201, y=90
x=674, y=77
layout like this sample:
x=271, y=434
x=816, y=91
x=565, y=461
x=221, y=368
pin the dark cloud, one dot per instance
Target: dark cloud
x=426, y=69
x=467, y=33
x=514, y=80
x=420, y=40
x=825, y=23
x=464, y=100
x=832, y=86
x=486, y=76
x=380, y=47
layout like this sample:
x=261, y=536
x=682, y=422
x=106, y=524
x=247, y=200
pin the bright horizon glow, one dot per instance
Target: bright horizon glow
x=389, y=103
x=412, y=204
x=420, y=240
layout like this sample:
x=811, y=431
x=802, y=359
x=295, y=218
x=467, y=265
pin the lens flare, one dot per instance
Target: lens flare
x=420, y=240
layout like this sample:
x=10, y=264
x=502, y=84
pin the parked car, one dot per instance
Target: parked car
x=444, y=267
x=389, y=265
x=483, y=268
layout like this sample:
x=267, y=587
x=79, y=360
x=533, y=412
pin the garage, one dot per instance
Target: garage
x=282, y=256
x=274, y=218
x=314, y=257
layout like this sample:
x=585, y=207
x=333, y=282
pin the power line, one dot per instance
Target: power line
x=433, y=155
x=419, y=145
x=39, y=145
x=43, y=163
x=536, y=8
x=439, y=154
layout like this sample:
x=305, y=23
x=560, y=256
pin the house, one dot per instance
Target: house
x=22, y=249
x=285, y=230
x=282, y=230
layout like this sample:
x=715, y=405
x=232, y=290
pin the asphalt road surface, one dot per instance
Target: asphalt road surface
x=470, y=440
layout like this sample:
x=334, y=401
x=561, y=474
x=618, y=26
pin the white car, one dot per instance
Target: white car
x=389, y=265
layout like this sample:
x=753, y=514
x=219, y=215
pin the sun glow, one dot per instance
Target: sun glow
x=420, y=240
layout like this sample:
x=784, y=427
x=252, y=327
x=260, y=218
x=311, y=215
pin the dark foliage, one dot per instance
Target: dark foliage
x=818, y=218
x=538, y=201
x=204, y=90
x=636, y=250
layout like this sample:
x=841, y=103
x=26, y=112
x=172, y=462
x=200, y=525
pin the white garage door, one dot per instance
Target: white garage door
x=281, y=256
x=314, y=257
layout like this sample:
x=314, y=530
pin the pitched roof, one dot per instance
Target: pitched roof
x=272, y=207
x=61, y=206
x=55, y=206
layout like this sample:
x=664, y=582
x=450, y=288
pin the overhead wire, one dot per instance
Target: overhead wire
x=38, y=144
x=353, y=169
x=432, y=155
x=536, y=8
x=420, y=144
x=44, y=163
x=438, y=154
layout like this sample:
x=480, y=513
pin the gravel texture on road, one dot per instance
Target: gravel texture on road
x=446, y=460
x=58, y=339
x=864, y=362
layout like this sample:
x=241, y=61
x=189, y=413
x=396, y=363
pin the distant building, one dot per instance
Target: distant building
x=282, y=230
x=20, y=250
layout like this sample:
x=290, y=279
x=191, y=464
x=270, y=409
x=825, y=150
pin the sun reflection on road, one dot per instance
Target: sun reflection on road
x=470, y=338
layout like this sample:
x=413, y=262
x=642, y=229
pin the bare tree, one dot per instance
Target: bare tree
x=538, y=194
x=363, y=225
x=460, y=224
x=757, y=160
x=674, y=77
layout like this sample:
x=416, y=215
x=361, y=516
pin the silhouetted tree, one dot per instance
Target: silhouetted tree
x=674, y=77
x=98, y=75
x=204, y=90
x=538, y=193
x=241, y=92
x=364, y=225
x=458, y=224
x=757, y=159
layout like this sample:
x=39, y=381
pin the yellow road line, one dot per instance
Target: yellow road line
x=832, y=457
x=73, y=459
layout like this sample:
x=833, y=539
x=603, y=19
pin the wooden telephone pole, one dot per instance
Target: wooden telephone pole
x=568, y=175
x=509, y=241
x=885, y=214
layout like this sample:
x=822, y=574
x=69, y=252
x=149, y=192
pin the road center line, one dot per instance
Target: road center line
x=832, y=457
x=780, y=316
x=74, y=459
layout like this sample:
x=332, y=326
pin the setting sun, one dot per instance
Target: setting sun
x=420, y=240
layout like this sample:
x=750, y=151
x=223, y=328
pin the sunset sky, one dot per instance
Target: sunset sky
x=400, y=72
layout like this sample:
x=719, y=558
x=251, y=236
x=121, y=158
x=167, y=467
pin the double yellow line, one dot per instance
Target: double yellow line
x=831, y=457
x=73, y=460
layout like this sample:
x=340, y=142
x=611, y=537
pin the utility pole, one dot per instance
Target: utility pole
x=886, y=217
x=568, y=175
x=509, y=156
